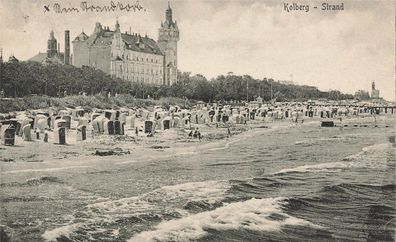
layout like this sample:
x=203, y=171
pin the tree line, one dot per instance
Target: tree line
x=20, y=79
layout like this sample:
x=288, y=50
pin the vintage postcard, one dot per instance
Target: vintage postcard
x=197, y=120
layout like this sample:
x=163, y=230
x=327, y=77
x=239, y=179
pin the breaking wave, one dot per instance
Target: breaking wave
x=100, y=220
x=374, y=157
x=254, y=215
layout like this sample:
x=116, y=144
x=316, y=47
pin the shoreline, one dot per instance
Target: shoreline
x=37, y=156
x=59, y=189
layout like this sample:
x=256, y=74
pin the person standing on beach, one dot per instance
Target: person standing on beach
x=46, y=136
x=37, y=132
x=137, y=131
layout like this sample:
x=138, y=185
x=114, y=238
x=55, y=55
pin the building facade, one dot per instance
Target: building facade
x=130, y=56
x=136, y=58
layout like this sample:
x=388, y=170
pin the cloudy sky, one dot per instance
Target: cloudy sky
x=344, y=50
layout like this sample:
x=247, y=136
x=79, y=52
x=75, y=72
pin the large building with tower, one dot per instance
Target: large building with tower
x=131, y=56
x=53, y=54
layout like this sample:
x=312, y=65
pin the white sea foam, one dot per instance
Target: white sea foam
x=126, y=162
x=228, y=144
x=45, y=169
x=209, y=191
x=251, y=215
x=52, y=235
x=323, y=167
x=319, y=140
x=185, y=153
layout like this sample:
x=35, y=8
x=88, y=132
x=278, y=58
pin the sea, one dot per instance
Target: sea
x=273, y=183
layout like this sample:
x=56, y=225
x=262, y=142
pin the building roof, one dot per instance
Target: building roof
x=141, y=44
x=103, y=37
x=40, y=57
x=81, y=37
x=12, y=59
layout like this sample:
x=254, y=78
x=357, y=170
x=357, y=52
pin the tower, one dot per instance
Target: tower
x=167, y=42
x=374, y=92
x=52, y=45
x=67, y=47
x=117, y=26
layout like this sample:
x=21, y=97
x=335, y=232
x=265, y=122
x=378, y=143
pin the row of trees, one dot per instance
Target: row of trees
x=26, y=78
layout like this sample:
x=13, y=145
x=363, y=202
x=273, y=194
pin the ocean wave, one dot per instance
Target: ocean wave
x=227, y=145
x=323, y=167
x=45, y=169
x=35, y=181
x=313, y=141
x=373, y=157
x=64, y=231
x=344, y=195
x=350, y=188
x=164, y=203
x=41, y=180
x=254, y=214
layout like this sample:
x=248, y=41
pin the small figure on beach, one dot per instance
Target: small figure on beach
x=46, y=136
x=197, y=134
x=37, y=132
x=229, y=131
x=137, y=131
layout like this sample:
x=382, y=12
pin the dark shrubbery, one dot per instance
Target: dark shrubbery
x=87, y=102
x=30, y=78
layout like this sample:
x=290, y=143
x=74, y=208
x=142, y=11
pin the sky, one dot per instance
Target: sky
x=344, y=50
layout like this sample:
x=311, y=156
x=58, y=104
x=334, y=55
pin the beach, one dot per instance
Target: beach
x=170, y=187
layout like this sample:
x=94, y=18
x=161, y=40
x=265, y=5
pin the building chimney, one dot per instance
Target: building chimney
x=67, y=47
